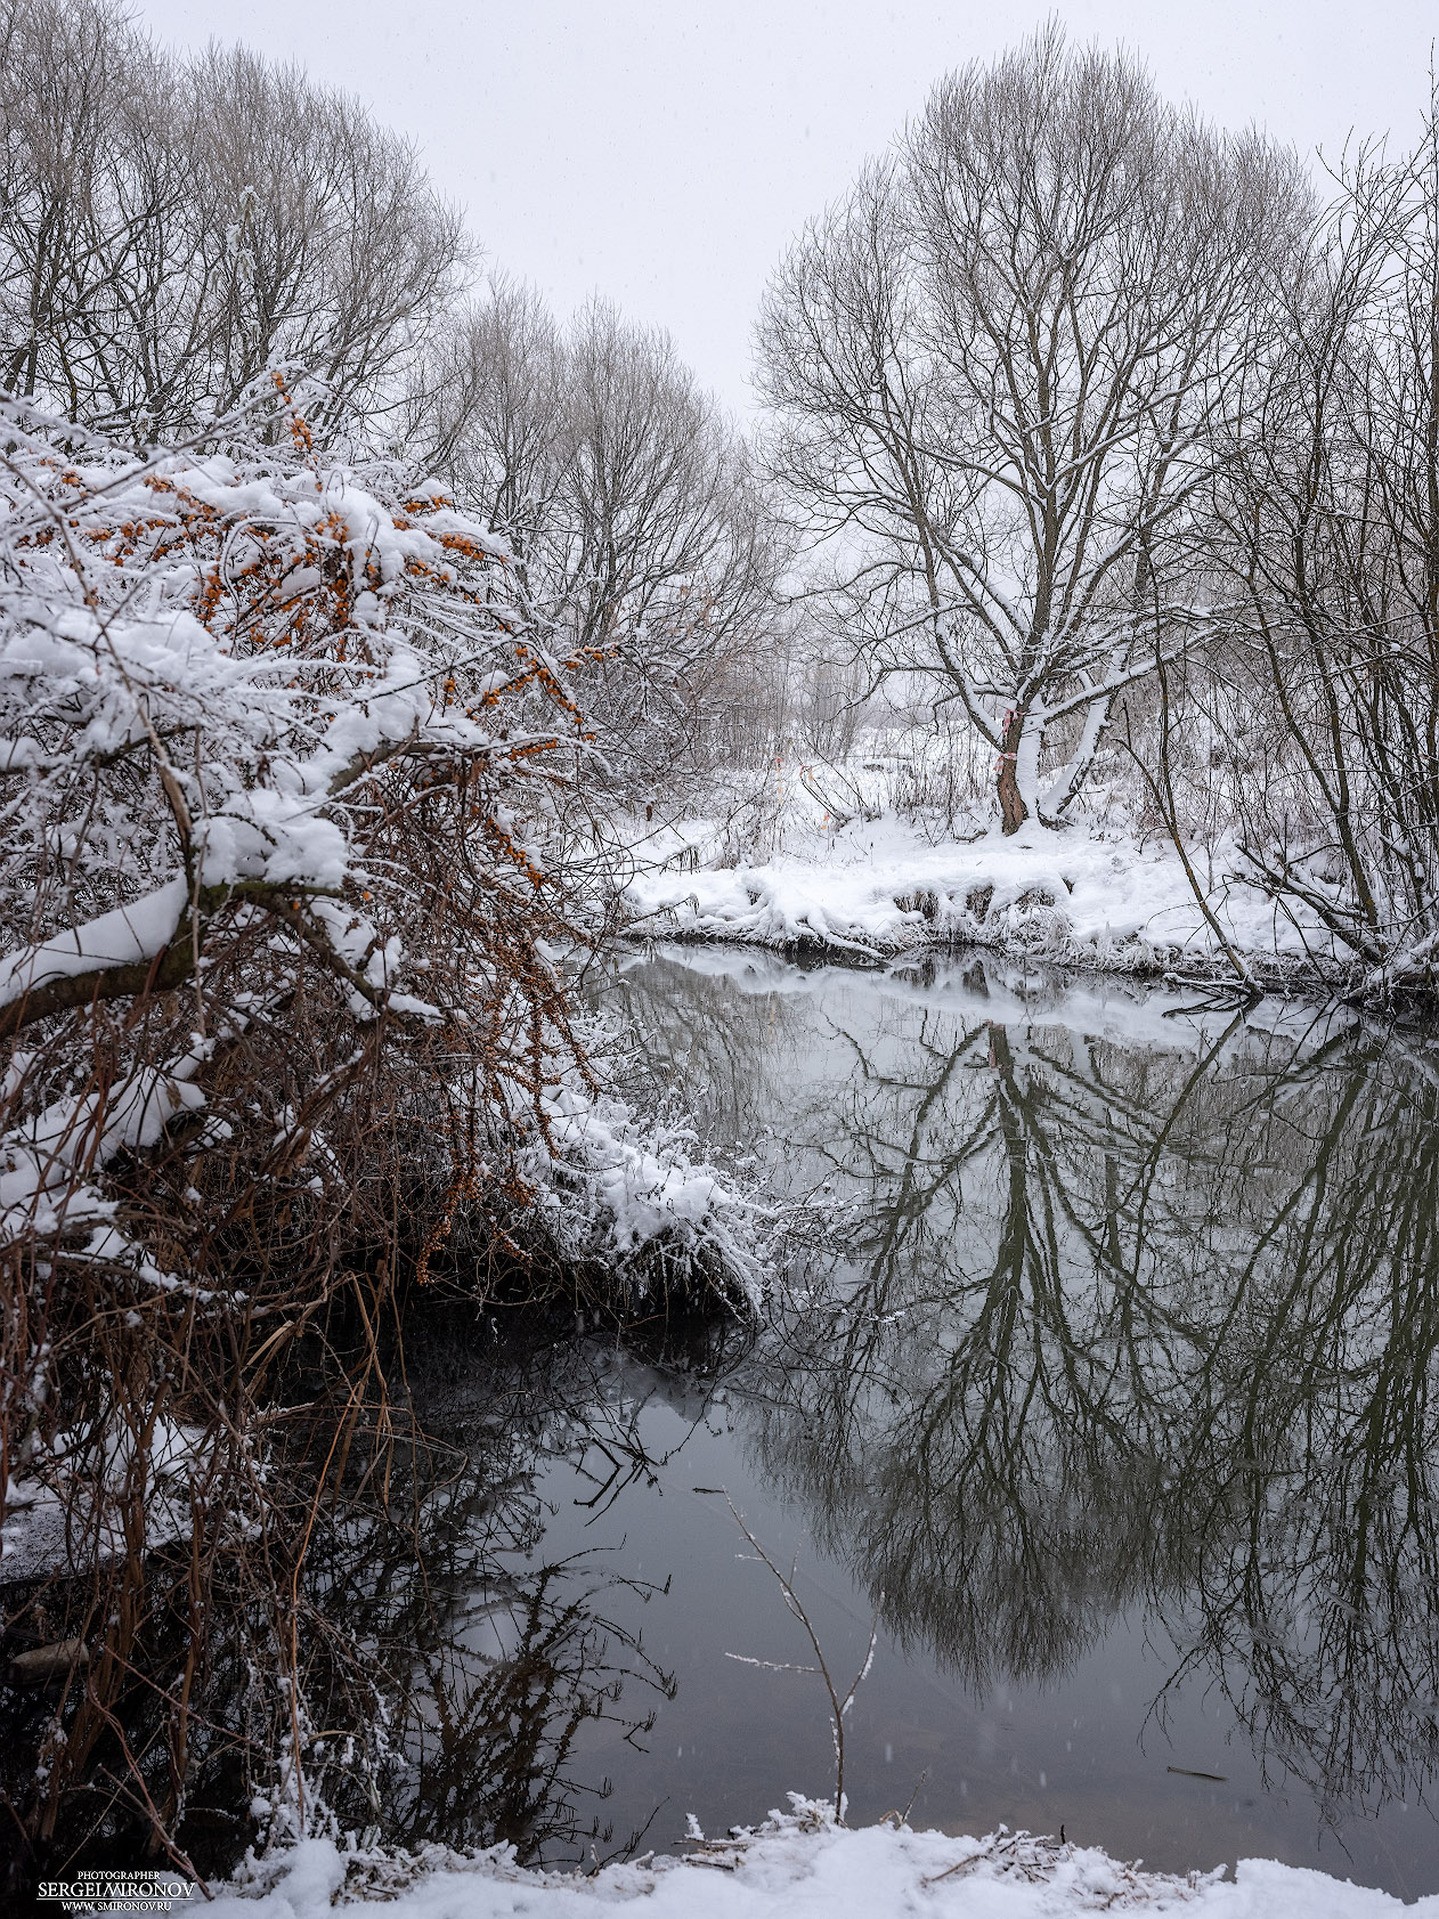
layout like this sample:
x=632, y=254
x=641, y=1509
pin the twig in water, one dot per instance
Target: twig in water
x=839, y=1705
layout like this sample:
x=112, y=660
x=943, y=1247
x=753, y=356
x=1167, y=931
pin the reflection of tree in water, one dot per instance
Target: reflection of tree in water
x=730, y=1040
x=494, y=1659
x=453, y=1678
x=1140, y=1315
x=1142, y=1322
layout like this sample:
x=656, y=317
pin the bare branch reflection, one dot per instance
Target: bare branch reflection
x=1139, y=1317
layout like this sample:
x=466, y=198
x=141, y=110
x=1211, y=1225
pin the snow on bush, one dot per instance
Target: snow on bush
x=648, y=1208
x=282, y=758
x=270, y=730
x=236, y=694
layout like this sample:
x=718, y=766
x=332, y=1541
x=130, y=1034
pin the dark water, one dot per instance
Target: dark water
x=1114, y=1408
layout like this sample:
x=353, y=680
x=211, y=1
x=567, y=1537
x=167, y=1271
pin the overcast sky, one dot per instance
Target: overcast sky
x=662, y=153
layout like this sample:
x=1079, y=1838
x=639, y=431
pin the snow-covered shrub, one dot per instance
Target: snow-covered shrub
x=275, y=740
x=641, y=1201
x=280, y=753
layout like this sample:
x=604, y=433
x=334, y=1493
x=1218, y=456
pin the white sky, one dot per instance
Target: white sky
x=662, y=152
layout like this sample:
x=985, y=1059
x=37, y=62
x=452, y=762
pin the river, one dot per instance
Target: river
x=1097, y=1384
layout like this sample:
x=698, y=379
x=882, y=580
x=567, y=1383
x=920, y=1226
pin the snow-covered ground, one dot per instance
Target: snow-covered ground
x=882, y=887
x=801, y=1866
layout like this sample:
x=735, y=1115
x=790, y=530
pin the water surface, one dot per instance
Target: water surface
x=1110, y=1408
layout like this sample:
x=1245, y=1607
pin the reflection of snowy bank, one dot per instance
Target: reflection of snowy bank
x=1130, y=1012
x=794, y=1866
x=879, y=888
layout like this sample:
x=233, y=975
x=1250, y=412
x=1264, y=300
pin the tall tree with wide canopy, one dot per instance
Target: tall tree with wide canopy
x=994, y=371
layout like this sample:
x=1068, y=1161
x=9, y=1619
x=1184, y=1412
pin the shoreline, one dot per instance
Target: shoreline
x=793, y=1865
x=879, y=894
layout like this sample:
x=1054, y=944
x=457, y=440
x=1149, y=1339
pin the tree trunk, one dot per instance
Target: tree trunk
x=1012, y=810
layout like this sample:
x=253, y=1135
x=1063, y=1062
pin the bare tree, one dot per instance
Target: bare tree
x=995, y=370
x=170, y=233
x=331, y=251
x=487, y=407
x=1327, y=520
x=67, y=75
x=640, y=529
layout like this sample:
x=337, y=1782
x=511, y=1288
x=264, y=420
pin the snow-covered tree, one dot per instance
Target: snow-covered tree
x=274, y=736
x=994, y=370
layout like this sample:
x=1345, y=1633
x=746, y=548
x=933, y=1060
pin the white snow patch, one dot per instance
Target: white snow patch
x=140, y=931
x=52, y=1522
x=638, y=1186
x=878, y=888
x=797, y=1866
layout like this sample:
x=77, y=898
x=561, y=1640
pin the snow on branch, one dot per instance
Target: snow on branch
x=271, y=729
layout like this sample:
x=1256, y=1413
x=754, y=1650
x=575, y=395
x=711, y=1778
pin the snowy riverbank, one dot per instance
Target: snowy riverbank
x=880, y=888
x=798, y=1866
